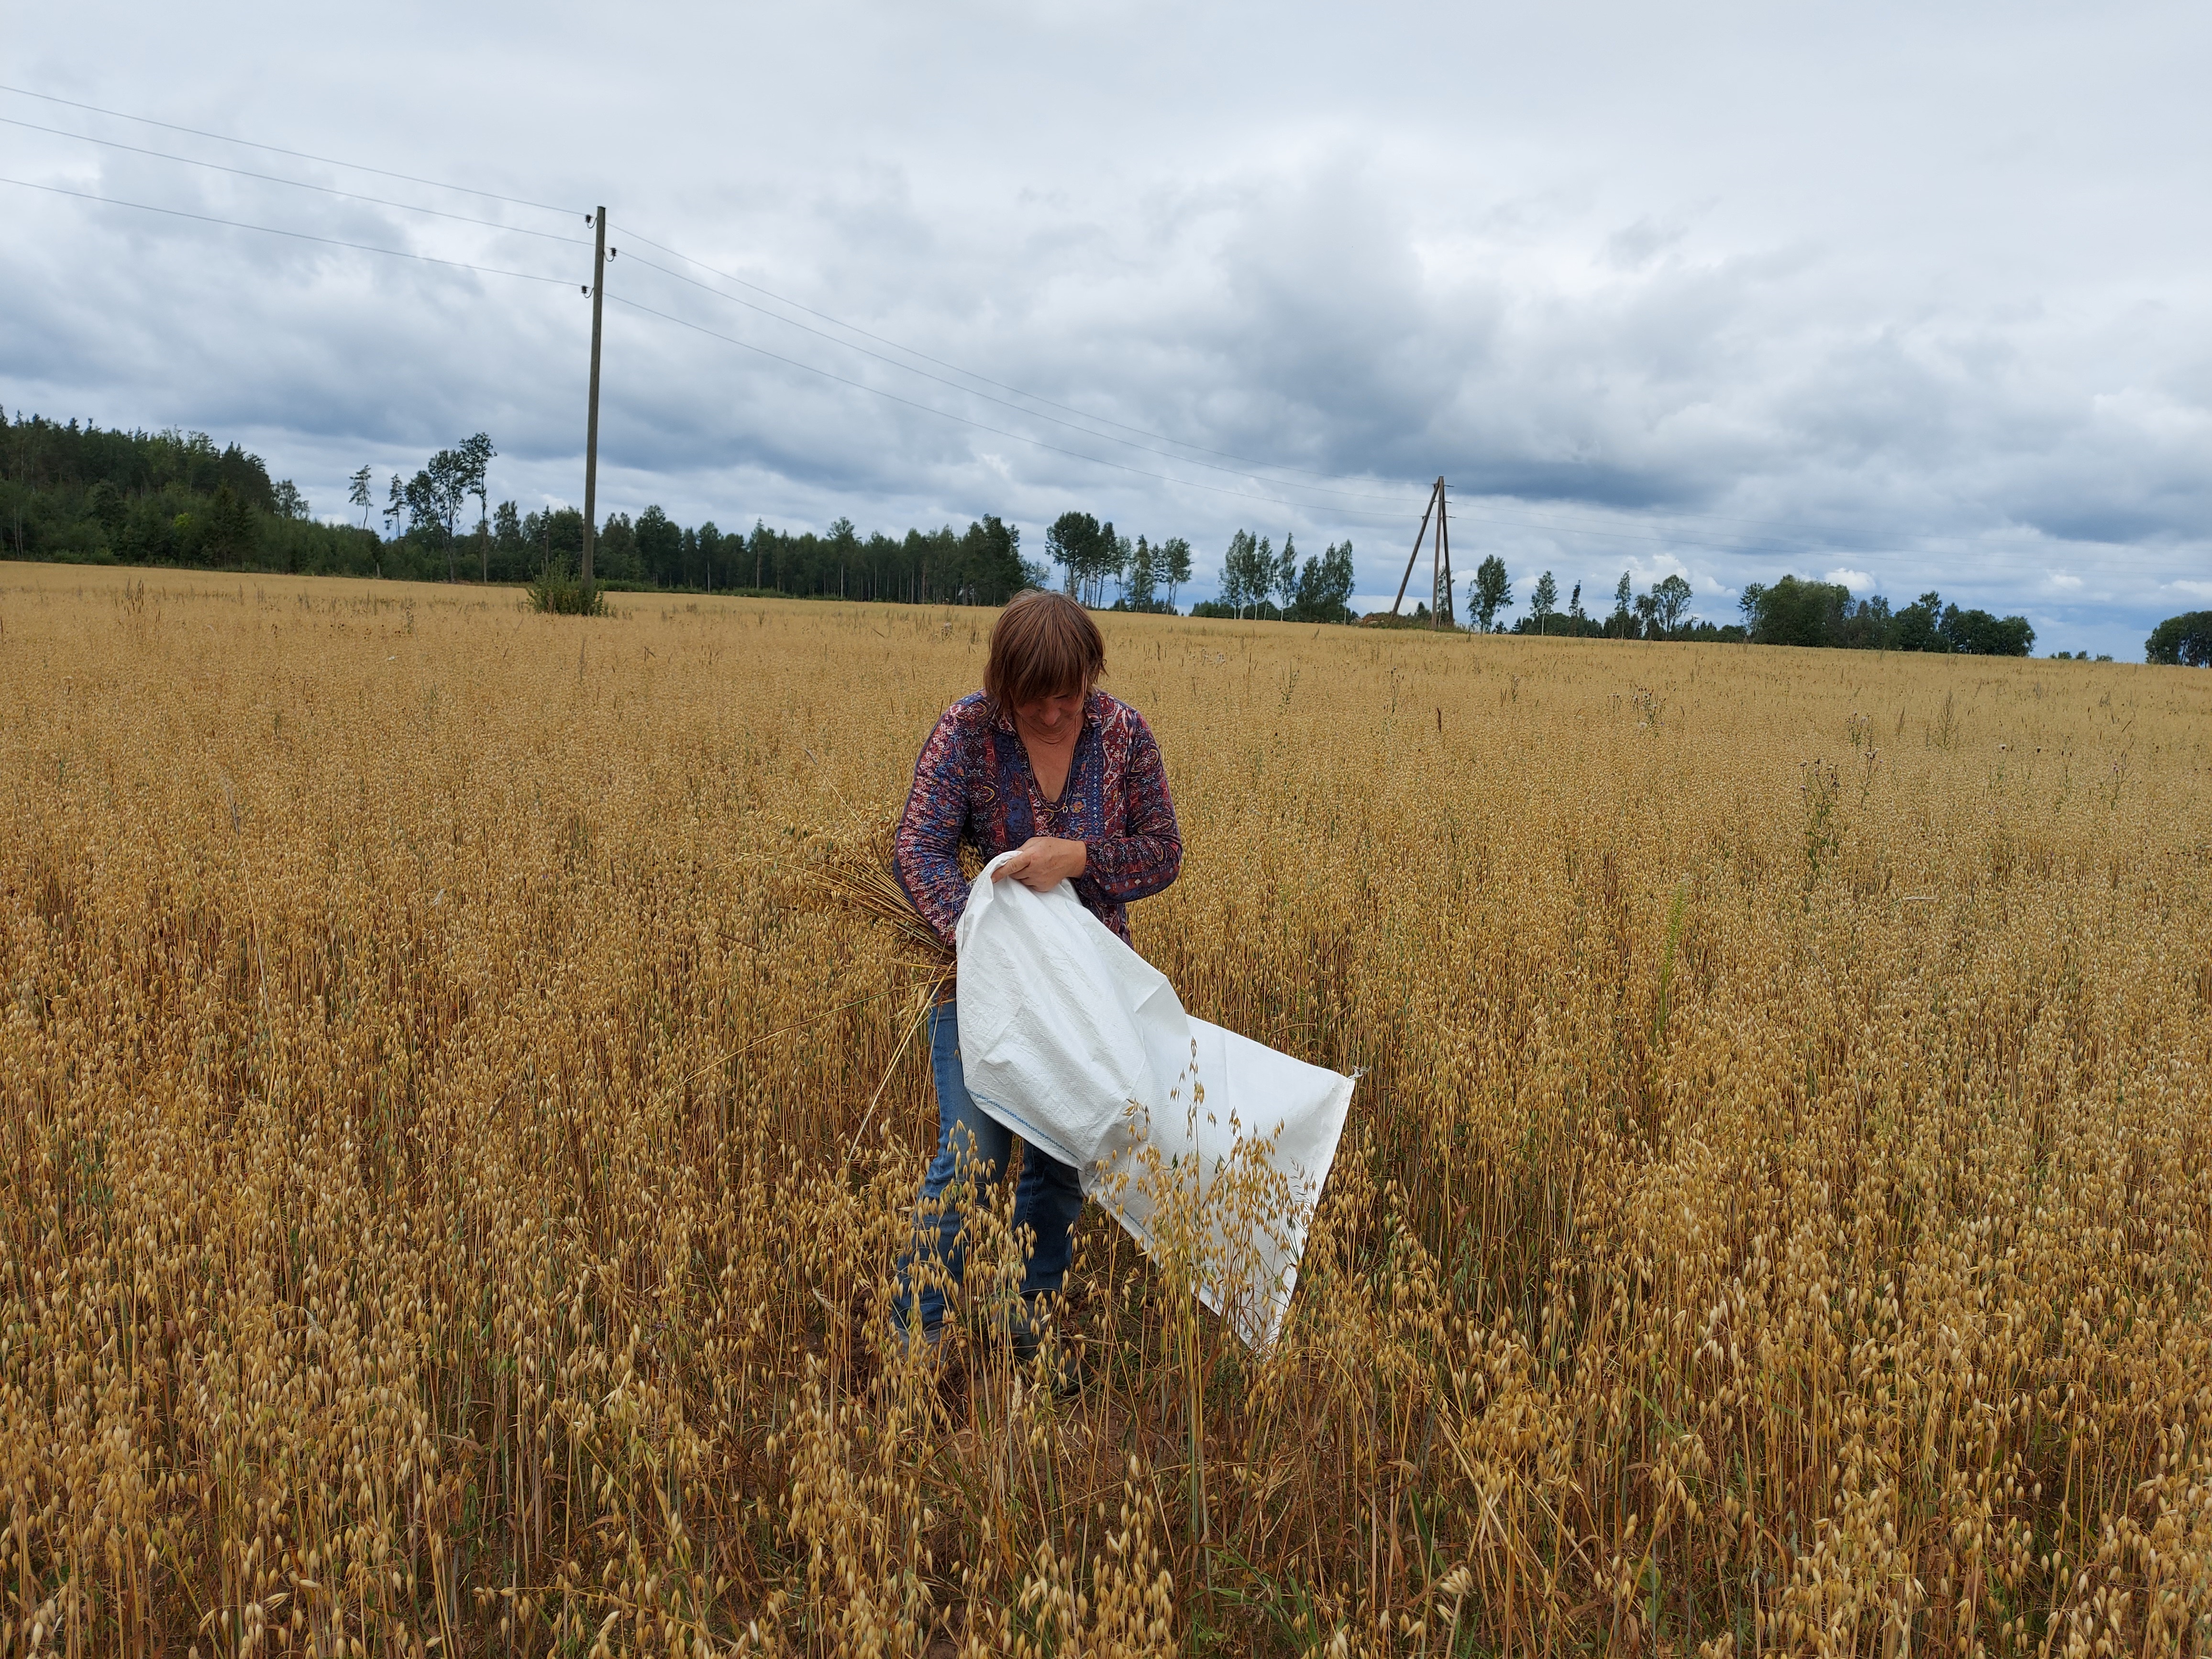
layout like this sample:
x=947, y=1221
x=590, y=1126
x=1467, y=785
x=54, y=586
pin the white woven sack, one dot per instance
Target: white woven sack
x=1080, y=1046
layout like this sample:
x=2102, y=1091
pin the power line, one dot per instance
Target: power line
x=297, y=235
x=1144, y=432
x=1687, y=524
x=1650, y=538
x=1894, y=555
x=1682, y=527
x=1692, y=523
x=1647, y=537
x=278, y=150
x=296, y=184
x=1018, y=437
x=1365, y=515
x=1841, y=551
x=1274, y=467
x=970, y=391
x=203, y=218
x=1691, y=526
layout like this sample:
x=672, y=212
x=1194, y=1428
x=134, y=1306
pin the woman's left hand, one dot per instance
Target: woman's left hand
x=1043, y=862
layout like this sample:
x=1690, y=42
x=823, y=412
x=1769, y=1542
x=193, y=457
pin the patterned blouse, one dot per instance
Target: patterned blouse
x=972, y=783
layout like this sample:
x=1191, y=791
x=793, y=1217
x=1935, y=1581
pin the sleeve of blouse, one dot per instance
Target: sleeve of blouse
x=925, y=849
x=1148, y=858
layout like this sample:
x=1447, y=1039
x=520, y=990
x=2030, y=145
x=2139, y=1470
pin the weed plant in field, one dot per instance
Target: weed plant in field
x=452, y=1158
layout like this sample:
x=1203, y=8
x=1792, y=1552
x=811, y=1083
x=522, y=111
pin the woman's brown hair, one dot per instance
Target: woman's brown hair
x=1043, y=645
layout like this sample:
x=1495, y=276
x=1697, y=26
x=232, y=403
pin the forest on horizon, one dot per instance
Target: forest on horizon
x=81, y=493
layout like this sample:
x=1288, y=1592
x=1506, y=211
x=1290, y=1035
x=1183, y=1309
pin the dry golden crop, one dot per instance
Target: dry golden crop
x=452, y=1154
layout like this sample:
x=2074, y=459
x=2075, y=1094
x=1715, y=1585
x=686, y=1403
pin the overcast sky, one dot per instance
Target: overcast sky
x=1909, y=296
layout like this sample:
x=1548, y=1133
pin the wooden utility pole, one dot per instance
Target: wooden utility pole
x=592, y=420
x=1440, y=602
x=1440, y=577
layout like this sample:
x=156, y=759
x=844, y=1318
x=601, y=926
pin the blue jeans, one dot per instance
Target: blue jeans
x=976, y=1147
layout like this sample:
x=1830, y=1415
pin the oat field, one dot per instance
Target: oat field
x=451, y=1157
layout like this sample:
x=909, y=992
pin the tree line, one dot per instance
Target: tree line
x=1793, y=610
x=982, y=565
x=1661, y=612
x=2184, y=641
x=1092, y=554
x=1256, y=581
x=79, y=492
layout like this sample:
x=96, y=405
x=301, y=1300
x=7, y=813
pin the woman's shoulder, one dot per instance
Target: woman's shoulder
x=1117, y=719
x=964, y=723
x=969, y=714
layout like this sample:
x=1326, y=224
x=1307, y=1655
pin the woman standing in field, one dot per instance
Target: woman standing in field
x=1042, y=760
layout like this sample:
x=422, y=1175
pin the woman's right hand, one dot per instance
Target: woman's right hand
x=1043, y=862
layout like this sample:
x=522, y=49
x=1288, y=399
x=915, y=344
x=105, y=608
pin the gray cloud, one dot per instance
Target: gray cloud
x=1914, y=295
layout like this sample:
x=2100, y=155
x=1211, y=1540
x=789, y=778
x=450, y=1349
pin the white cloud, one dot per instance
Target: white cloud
x=1527, y=249
x=2064, y=581
x=1856, y=581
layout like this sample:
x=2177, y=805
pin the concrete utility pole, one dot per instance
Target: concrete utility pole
x=592, y=420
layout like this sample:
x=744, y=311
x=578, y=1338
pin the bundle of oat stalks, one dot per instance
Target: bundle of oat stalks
x=857, y=874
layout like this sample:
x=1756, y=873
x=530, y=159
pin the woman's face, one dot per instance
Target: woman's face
x=1051, y=718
